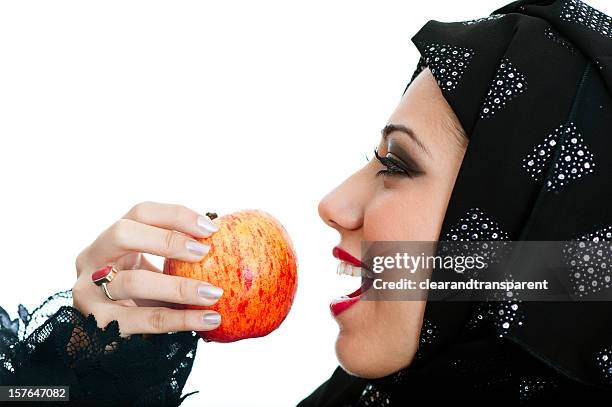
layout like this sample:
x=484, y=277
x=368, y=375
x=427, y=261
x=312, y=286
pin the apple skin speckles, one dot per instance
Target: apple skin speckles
x=253, y=260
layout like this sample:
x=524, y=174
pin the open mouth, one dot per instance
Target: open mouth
x=350, y=266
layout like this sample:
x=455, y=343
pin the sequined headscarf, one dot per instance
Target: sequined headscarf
x=531, y=85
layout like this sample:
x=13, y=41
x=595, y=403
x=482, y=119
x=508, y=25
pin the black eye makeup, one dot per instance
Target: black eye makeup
x=395, y=166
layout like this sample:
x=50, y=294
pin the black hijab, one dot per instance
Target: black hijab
x=531, y=85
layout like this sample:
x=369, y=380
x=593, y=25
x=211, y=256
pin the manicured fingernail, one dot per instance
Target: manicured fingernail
x=209, y=291
x=197, y=248
x=207, y=225
x=211, y=318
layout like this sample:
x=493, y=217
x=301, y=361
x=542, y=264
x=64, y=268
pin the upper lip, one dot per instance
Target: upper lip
x=343, y=255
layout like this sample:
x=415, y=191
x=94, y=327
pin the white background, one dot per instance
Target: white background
x=214, y=105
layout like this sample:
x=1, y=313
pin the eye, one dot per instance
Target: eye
x=395, y=166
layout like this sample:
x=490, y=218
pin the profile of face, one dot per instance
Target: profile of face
x=426, y=142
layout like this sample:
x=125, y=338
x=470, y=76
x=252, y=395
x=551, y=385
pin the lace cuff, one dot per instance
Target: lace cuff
x=57, y=345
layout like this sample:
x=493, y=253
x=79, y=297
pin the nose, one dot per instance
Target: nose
x=343, y=207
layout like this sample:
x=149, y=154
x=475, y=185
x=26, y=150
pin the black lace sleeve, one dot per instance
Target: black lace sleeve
x=57, y=345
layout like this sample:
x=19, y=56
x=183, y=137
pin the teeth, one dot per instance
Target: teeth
x=348, y=269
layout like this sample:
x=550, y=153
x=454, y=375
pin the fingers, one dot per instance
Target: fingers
x=171, y=216
x=167, y=230
x=155, y=320
x=127, y=235
x=159, y=318
x=150, y=227
x=144, y=284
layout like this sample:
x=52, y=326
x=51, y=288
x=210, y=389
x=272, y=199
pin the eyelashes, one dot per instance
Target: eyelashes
x=395, y=167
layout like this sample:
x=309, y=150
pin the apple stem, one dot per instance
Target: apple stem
x=211, y=215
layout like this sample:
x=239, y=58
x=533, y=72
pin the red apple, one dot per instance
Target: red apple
x=252, y=258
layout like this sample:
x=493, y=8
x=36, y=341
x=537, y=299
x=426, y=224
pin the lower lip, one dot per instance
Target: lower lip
x=341, y=304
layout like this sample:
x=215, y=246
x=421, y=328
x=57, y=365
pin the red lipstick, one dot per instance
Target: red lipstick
x=343, y=303
x=343, y=255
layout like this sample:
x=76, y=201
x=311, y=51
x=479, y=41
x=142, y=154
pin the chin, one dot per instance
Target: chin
x=365, y=354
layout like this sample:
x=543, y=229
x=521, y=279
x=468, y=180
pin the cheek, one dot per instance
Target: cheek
x=412, y=212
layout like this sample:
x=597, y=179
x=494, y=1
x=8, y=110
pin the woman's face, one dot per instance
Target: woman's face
x=377, y=338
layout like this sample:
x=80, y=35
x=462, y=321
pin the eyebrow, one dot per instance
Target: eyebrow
x=390, y=128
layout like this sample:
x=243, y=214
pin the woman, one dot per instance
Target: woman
x=500, y=135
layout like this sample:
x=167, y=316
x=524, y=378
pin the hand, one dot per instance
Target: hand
x=145, y=296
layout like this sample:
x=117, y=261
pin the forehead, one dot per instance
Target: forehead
x=423, y=108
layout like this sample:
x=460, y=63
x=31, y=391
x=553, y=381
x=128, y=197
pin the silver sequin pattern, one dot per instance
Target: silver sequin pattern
x=574, y=160
x=507, y=84
x=482, y=313
x=475, y=225
x=557, y=38
x=447, y=63
x=372, y=397
x=589, y=260
x=530, y=387
x=504, y=316
x=603, y=359
x=504, y=311
x=578, y=12
x=429, y=334
x=509, y=316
